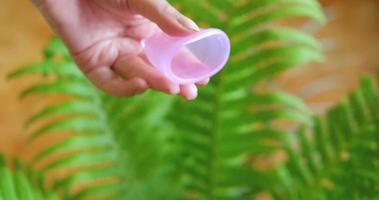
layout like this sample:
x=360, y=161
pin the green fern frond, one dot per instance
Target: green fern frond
x=98, y=135
x=49, y=67
x=90, y=146
x=331, y=161
x=231, y=121
x=16, y=185
x=55, y=49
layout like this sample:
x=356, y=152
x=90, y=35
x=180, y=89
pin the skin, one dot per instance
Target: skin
x=103, y=36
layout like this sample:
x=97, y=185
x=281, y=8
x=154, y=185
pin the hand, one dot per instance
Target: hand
x=104, y=37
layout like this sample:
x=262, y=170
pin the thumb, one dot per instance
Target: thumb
x=165, y=16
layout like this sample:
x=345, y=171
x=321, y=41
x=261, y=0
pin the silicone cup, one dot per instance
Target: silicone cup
x=191, y=58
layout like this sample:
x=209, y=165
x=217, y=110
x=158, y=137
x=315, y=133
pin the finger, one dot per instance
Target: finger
x=108, y=81
x=165, y=16
x=141, y=32
x=203, y=82
x=132, y=66
x=188, y=91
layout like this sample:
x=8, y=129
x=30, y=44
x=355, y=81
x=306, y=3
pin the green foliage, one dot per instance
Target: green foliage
x=16, y=185
x=337, y=158
x=231, y=120
x=155, y=146
x=90, y=147
x=97, y=132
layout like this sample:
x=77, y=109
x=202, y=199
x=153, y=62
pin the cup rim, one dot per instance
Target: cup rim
x=203, y=33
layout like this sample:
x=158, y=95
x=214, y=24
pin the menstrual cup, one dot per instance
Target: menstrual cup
x=188, y=59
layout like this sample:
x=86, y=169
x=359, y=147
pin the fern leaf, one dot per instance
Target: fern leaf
x=17, y=186
x=331, y=150
x=231, y=121
x=70, y=88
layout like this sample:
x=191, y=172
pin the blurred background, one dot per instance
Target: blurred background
x=350, y=39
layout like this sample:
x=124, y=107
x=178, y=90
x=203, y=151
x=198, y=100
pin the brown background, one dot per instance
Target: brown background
x=351, y=39
x=23, y=34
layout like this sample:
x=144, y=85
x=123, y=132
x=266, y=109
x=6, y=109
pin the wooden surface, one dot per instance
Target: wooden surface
x=351, y=38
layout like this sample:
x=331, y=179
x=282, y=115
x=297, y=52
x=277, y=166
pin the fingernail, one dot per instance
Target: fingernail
x=174, y=89
x=188, y=23
x=192, y=93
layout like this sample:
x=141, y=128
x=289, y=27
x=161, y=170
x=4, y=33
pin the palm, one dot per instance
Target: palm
x=101, y=31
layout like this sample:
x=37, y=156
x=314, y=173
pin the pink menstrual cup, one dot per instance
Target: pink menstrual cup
x=191, y=58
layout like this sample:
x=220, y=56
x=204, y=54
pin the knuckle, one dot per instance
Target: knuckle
x=166, y=8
